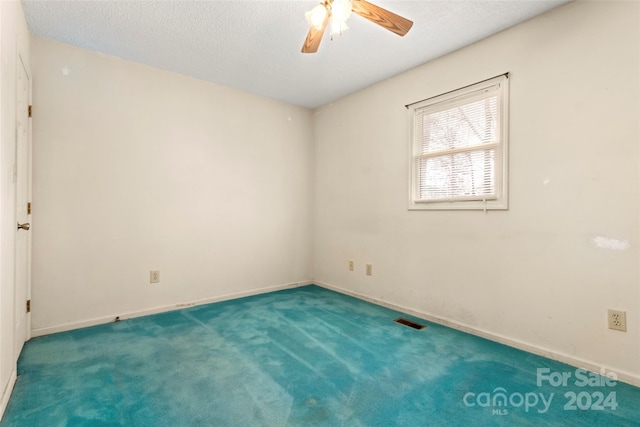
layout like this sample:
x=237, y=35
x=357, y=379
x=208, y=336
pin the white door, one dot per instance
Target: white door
x=23, y=240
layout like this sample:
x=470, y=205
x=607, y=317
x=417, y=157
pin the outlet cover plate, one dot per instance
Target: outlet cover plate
x=617, y=320
x=154, y=276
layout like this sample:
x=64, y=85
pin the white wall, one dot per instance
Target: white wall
x=533, y=275
x=14, y=38
x=138, y=169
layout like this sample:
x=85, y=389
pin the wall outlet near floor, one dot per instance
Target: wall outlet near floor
x=154, y=276
x=617, y=320
x=369, y=269
x=351, y=265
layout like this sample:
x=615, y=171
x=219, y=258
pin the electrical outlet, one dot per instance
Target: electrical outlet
x=617, y=320
x=369, y=269
x=154, y=276
x=351, y=266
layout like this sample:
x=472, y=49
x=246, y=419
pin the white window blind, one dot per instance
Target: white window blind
x=459, y=149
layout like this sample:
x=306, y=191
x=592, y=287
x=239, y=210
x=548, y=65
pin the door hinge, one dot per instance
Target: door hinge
x=30, y=110
x=29, y=208
x=28, y=306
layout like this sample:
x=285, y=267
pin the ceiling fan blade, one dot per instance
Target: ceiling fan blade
x=382, y=17
x=314, y=37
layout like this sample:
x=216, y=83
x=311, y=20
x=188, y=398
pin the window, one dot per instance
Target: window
x=459, y=148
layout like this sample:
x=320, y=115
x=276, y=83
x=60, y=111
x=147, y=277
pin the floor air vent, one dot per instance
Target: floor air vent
x=409, y=323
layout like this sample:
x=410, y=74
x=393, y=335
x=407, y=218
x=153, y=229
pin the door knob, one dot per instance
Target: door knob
x=24, y=226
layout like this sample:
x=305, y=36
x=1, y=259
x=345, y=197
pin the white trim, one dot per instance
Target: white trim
x=501, y=200
x=622, y=376
x=6, y=393
x=439, y=153
x=625, y=377
x=162, y=309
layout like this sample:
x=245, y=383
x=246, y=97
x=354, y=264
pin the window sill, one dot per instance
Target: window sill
x=475, y=205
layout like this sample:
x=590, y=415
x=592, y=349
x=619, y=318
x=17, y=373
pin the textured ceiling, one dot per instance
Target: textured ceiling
x=255, y=45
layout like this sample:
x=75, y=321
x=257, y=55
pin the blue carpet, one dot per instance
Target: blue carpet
x=300, y=357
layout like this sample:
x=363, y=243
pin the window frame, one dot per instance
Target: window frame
x=500, y=202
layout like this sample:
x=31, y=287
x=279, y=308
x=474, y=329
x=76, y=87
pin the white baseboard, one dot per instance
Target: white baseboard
x=6, y=393
x=155, y=310
x=625, y=377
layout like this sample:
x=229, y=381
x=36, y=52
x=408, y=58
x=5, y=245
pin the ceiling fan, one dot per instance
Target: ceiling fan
x=336, y=13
